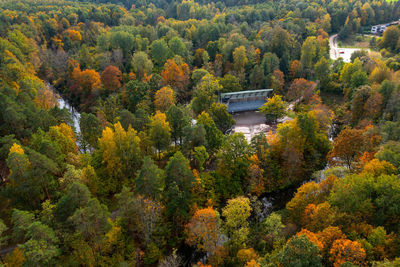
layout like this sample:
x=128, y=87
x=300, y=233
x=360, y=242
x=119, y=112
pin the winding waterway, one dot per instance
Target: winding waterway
x=63, y=103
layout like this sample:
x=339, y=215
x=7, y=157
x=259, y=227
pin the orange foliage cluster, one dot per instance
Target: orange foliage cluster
x=176, y=76
x=354, y=147
x=344, y=250
x=312, y=237
x=74, y=35
x=301, y=89
x=46, y=98
x=88, y=80
x=202, y=230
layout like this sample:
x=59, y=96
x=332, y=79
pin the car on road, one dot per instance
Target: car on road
x=341, y=51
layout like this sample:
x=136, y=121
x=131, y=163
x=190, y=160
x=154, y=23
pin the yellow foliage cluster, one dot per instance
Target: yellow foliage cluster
x=164, y=98
x=16, y=149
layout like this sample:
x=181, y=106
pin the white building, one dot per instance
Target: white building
x=380, y=29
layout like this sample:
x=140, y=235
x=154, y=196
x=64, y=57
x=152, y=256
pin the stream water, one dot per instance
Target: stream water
x=63, y=103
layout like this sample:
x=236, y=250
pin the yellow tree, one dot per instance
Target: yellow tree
x=274, y=108
x=378, y=168
x=305, y=195
x=164, y=98
x=236, y=213
x=46, y=98
x=246, y=255
x=240, y=61
x=160, y=131
x=65, y=137
x=121, y=154
x=203, y=230
x=15, y=148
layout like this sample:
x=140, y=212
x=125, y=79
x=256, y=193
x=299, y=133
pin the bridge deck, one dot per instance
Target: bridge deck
x=245, y=106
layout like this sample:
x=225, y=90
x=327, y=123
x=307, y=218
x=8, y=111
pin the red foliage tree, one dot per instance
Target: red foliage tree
x=111, y=78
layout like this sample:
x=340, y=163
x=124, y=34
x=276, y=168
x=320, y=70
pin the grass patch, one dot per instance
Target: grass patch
x=358, y=41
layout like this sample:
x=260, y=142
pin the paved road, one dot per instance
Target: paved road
x=251, y=123
x=336, y=52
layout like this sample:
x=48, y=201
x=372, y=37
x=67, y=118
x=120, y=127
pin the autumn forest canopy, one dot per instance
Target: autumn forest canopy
x=114, y=149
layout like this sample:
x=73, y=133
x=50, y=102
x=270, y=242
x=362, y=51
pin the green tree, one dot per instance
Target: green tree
x=270, y=63
x=141, y=64
x=136, y=91
x=150, y=180
x=126, y=118
x=273, y=225
x=390, y=38
x=221, y=117
x=76, y=197
x=300, y=252
x=178, y=120
x=90, y=130
x=42, y=245
x=179, y=181
x=230, y=83
x=21, y=220
x=322, y=71
x=233, y=163
x=198, y=74
x=32, y=177
x=240, y=61
x=141, y=216
x=92, y=223
x=309, y=52
x=281, y=45
x=213, y=135
x=200, y=156
x=194, y=136
x=123, y=40
x=205, y=93
x=177, y=46
x=358, y=78
x=160, y=52
x=3, y=236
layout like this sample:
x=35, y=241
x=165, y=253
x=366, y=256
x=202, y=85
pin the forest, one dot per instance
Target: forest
x=143, y=168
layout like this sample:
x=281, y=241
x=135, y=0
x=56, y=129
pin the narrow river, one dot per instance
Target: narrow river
x=62, y=103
